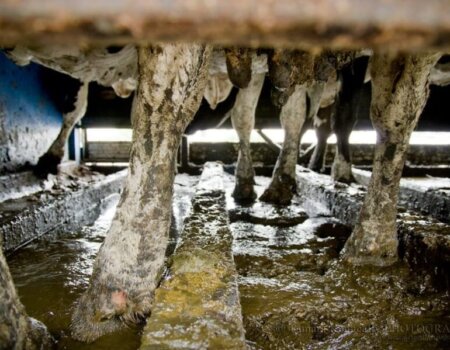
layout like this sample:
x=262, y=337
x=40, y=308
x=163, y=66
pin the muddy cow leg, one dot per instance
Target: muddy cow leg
x=347, y=110
x=292, y=116
x=322, y=127
x=243, y=119
x=399, y=92
x=48, y=163
x=131, y=260
x=17, y=330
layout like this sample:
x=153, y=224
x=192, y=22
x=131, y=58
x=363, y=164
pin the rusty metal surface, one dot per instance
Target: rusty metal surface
x=403, y=24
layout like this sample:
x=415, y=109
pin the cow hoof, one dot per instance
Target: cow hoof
x=47, y=164
x=244, y=193
x=38, y=335
x=345, y=179
x=280, y=196
x=280, y=191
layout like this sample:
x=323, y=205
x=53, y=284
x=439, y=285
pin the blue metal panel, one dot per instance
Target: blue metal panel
x=29, y=115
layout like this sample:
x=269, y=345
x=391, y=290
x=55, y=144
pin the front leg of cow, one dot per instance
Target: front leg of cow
x=243, y=120
x=292, y=117
x=399, y=92
x=48, y=163
x=130, y=262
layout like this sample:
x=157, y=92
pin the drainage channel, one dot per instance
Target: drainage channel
x=53, y=271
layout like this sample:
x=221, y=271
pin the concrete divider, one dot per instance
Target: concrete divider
x=197, y=305
x=25, y=219
x=428, y=196
x=424, y=243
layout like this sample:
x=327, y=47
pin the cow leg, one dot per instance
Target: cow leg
x=48, y=163
x=399, y=92
x=17, y=330
x=243, y=120
x=343, y=124
x=292, y=116
x=130, y=262
x=322, y=126
x=346, y=115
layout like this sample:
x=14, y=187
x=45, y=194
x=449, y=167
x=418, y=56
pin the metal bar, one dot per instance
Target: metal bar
x=273, y=145
x=184, y=153
x=403, y=24
x=304, y=157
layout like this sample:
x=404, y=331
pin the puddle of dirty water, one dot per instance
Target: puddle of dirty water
x=295, y=294
x=52, y=272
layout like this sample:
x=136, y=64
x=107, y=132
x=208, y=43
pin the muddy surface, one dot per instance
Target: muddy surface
x=427, y=195
x=51, y=273
x=295, y=294
x=196, y=305
x=27, y=186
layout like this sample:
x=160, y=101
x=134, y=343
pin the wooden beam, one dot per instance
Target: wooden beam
x=401, y=24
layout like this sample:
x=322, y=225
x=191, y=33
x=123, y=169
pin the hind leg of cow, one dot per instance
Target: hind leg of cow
x=322, y=127
x=399, y=93
x=17, y=330
x=243, y=120
x=48, y=163
x=292, y=116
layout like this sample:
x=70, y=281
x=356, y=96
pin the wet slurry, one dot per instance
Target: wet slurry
x=52, y=272
x=295, y=294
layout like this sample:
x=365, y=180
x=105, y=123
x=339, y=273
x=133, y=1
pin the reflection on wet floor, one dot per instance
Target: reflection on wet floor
x=52, y=272
x=296, y=295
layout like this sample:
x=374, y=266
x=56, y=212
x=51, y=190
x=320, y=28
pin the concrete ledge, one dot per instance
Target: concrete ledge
x=67, y=211
x=197, y=305
x=19, y=184
x=424, y=243
x=428, y=197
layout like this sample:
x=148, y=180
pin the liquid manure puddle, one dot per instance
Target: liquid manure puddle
x=295, y=294
x=51, y=273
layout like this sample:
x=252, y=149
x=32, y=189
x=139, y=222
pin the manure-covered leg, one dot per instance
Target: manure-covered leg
x=292, y=117
x=322, y=127
x=399, y=92
x=17, y=330
x=48, y=163
x=347, y=110
x=130, y=262
x=243, y=120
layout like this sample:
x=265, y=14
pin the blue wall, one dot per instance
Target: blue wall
x=30, y=117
